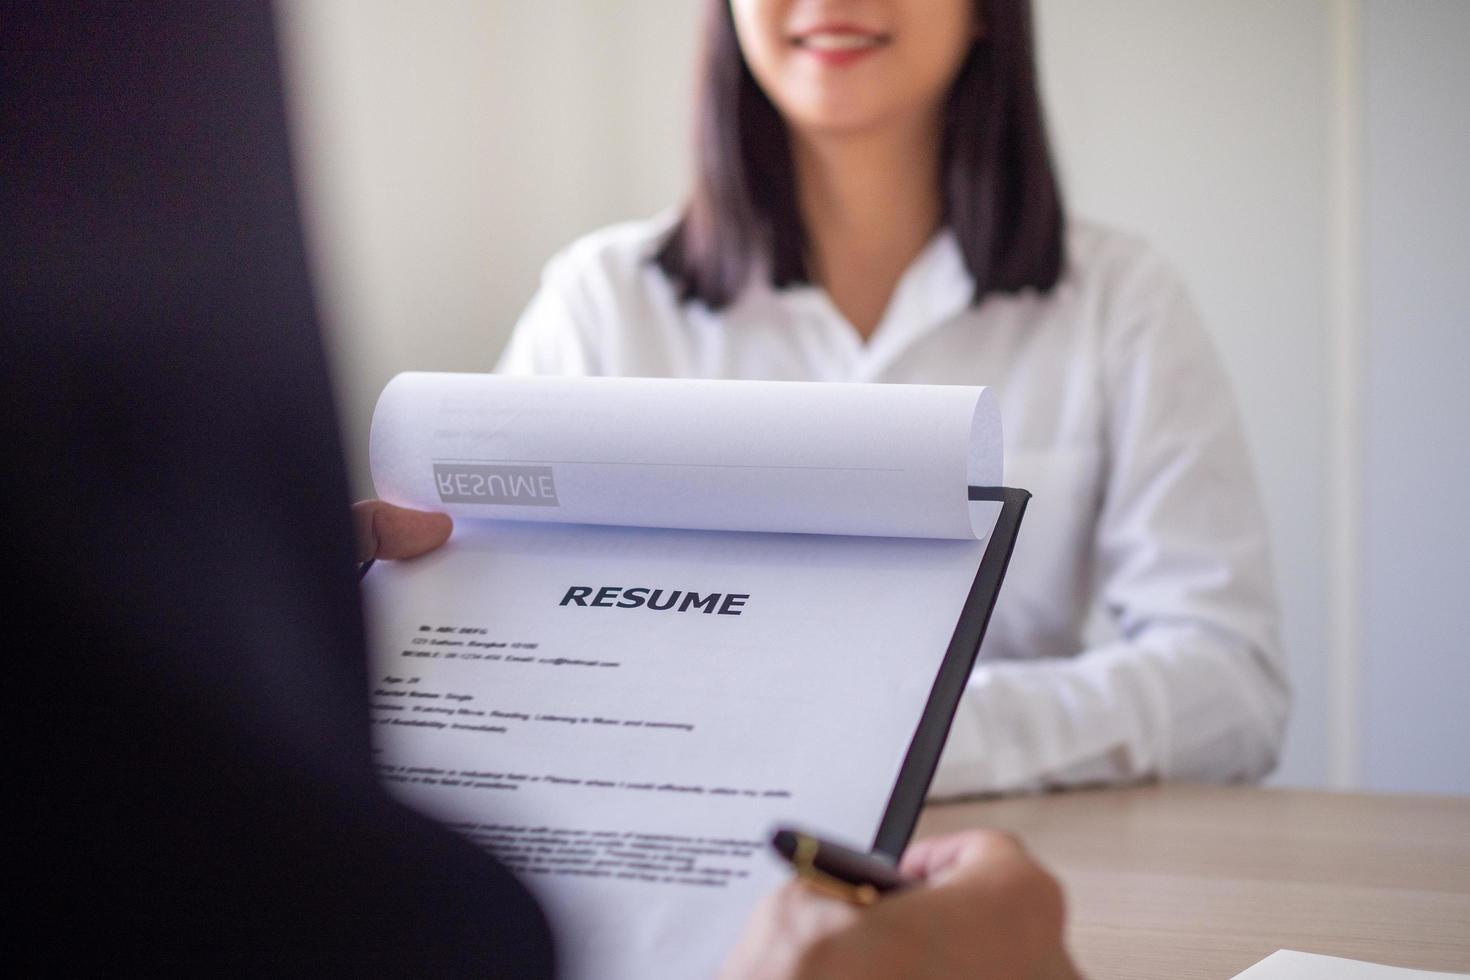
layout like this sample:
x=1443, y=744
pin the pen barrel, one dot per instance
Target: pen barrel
x=822, y=860
x=856, y=868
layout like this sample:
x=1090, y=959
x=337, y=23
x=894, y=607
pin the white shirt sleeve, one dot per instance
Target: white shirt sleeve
x=1195, y=688
x=558, y=332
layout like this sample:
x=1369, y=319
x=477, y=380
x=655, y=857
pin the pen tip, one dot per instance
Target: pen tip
x=784, y=841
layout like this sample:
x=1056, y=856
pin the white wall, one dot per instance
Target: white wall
x=1416, y=676
x=448, y=148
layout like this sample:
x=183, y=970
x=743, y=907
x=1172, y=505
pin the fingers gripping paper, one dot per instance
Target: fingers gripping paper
x=882, y=460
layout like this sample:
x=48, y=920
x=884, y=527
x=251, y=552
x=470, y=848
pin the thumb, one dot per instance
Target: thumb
x=387, y=531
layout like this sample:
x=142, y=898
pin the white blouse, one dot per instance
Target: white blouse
x=1116, y=416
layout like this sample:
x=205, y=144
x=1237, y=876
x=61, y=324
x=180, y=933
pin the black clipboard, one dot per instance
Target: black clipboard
x=914, y=776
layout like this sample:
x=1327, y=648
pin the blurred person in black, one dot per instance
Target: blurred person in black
x=185, y=646
x=192, y=774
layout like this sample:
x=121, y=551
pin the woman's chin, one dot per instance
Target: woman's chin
x=836, y=117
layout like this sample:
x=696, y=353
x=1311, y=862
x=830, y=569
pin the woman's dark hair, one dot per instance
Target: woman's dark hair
x=1000, y=191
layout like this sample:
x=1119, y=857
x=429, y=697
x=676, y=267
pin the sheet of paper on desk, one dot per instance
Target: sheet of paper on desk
x=1287, y=964
x=623, y=713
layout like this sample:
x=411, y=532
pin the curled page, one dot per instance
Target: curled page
x=814, y=458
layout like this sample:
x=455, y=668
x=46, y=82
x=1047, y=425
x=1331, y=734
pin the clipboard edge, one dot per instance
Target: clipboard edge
x=915, y=774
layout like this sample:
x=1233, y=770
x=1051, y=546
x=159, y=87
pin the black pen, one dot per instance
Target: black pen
x=839, y=871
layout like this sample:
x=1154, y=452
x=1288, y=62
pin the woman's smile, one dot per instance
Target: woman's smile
x=840, y=67
x=838, y=45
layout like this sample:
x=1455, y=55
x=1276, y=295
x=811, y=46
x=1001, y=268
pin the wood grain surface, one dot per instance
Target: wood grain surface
x=1179, y=882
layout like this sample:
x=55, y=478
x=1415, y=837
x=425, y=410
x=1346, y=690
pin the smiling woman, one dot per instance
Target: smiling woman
x=874, y=94
x=874, y=200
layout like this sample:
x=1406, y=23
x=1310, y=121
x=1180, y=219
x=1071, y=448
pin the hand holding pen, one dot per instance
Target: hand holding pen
x=973, y=904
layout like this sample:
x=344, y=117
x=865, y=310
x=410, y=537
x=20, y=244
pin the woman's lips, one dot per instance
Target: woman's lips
x=838, y=44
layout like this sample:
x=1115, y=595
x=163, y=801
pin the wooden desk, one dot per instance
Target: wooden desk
x=1182, y=882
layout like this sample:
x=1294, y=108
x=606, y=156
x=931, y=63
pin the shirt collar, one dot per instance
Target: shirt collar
x=935, y=287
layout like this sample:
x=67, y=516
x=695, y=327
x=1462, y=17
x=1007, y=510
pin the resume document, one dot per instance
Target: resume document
x=673, y=615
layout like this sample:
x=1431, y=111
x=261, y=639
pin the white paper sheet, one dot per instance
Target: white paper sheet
x=888, y=460
x=623, y=713
x=800, y=708
x=1288, y=964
